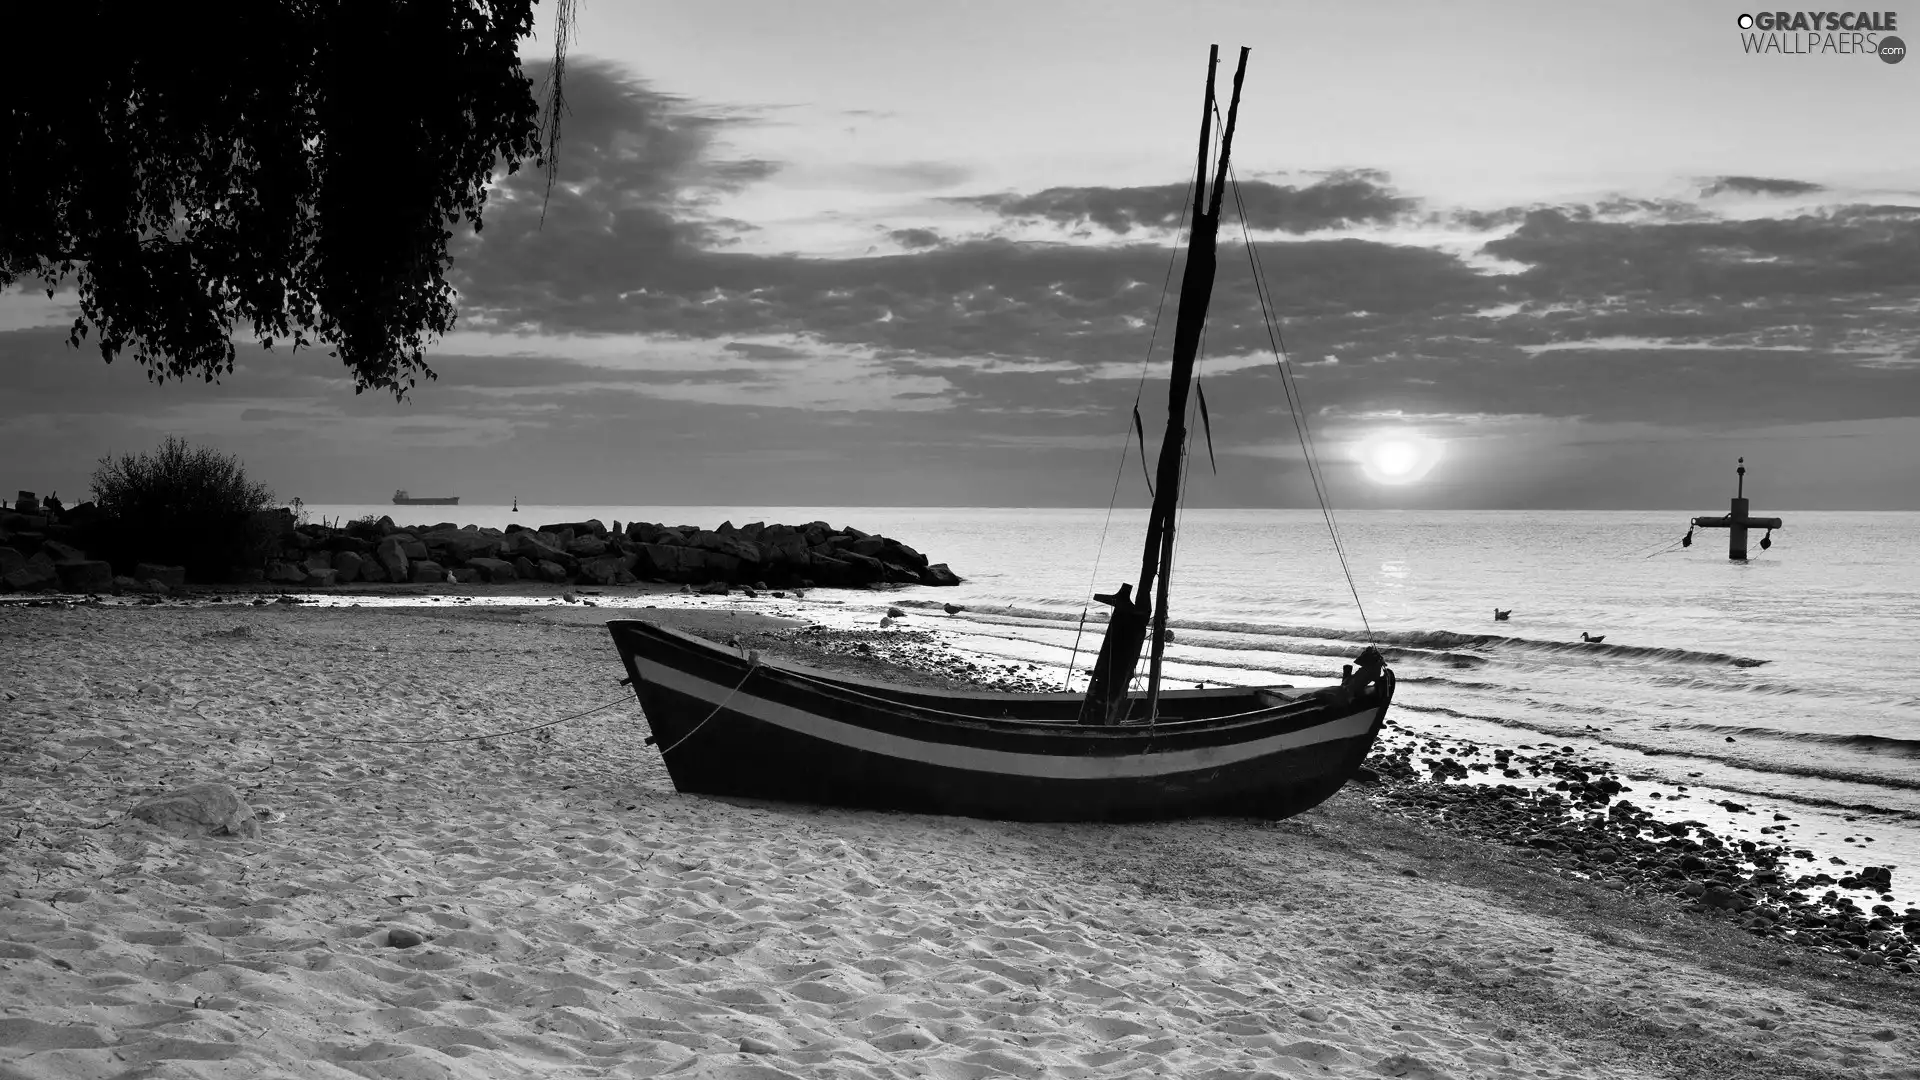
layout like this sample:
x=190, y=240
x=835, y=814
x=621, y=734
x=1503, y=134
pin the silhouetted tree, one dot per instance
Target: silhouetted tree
x=295, y=165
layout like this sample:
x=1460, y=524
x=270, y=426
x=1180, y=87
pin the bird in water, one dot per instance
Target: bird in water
x=1590, y=639
x=1501, y=616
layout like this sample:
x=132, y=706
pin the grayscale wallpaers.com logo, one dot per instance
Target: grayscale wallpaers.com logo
x=1805, y=33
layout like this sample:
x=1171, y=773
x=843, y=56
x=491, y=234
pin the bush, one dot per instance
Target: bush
x=184, y=505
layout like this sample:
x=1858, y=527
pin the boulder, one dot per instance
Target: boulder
x=60, y=552
x=590, y=527
x=831, y=572
x=938, y=574
x=587, y=547
x=286, y=573
x=391, y=555
x=85, y=575
x=535, y=548
x=527, y=568
x=323, y=578
x=495, y=571
x=347, y=566
x=415, y=549
x=548, y=570
x=465, y=575
x=667, y=562
x=318, y=560
x=10, y=560
x=428, y=572
x=459, y=545
x=866, y=568
x=200, y=810
x=171, y=576
x=372, y=571
x=603, y=570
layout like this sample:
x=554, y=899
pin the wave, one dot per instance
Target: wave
x=1446, y=646
x=1865, y=743
x=1746, y=763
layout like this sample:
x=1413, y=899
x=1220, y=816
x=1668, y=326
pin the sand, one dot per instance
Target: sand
x=581, y=919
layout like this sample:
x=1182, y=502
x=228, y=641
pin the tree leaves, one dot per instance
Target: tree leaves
x=297, y=176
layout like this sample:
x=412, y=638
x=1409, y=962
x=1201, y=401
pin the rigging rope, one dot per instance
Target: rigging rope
x=1294, y=399
x=1146, y=363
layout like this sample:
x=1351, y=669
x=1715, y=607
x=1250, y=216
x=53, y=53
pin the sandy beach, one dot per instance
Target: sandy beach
x=579, y=918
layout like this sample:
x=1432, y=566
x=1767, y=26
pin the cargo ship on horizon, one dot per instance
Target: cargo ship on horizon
x=400, y=498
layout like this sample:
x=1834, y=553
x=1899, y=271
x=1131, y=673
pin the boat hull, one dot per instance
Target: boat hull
x=453, y=501
x=730, y=726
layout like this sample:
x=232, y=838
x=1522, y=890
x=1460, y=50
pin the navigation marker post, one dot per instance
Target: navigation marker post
x=1736, y=522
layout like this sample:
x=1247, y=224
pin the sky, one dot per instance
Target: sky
x=869, y=252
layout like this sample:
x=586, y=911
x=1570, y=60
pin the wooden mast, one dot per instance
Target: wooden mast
x=1126, y=628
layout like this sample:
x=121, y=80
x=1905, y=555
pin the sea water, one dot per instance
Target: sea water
x=1788, y=678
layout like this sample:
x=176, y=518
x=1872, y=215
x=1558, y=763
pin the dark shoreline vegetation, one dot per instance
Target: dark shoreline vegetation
x=42, y=553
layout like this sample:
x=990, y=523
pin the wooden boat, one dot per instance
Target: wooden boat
x=730, y=723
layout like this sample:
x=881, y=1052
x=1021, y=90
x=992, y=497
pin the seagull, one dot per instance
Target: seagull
x=1501, y=616
x=1591, y=640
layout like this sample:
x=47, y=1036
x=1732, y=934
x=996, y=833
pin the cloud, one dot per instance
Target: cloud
x=1334, y=201
x=1757, y=185
x=914, y=238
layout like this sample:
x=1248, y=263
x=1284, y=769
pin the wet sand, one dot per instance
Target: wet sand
x=580, y=918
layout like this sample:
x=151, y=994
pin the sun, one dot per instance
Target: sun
x=1397, y=457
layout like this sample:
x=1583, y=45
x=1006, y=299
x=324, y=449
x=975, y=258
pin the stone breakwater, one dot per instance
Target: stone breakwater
x=1576, y=817
x=34, y=555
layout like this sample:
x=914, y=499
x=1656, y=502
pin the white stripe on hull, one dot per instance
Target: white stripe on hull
x=1001, y=762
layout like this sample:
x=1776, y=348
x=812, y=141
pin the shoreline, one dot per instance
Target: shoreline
x=585, y=919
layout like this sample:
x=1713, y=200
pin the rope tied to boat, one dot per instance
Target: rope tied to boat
x=753, y=665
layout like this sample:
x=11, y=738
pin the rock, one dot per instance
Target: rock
x=896, y=613
x=200, y=810
x=602, y=570
x=953, y=609
x=324, y=579
x=286, y=573
x=318, y=560
x=467, y=575
x=391, y=555
x=10, y=560
x=399, y=937
x=549, y=571
x=85, y=575
x=587, y=547
x=347, y=566
x=714, y=588
x=61, y=553
x=371, y=570
x=495, y=571
x=171, y=576
x=938, y=574
x=527, y=569
x=428, y=572
x=460, y=545
x=36, y=573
